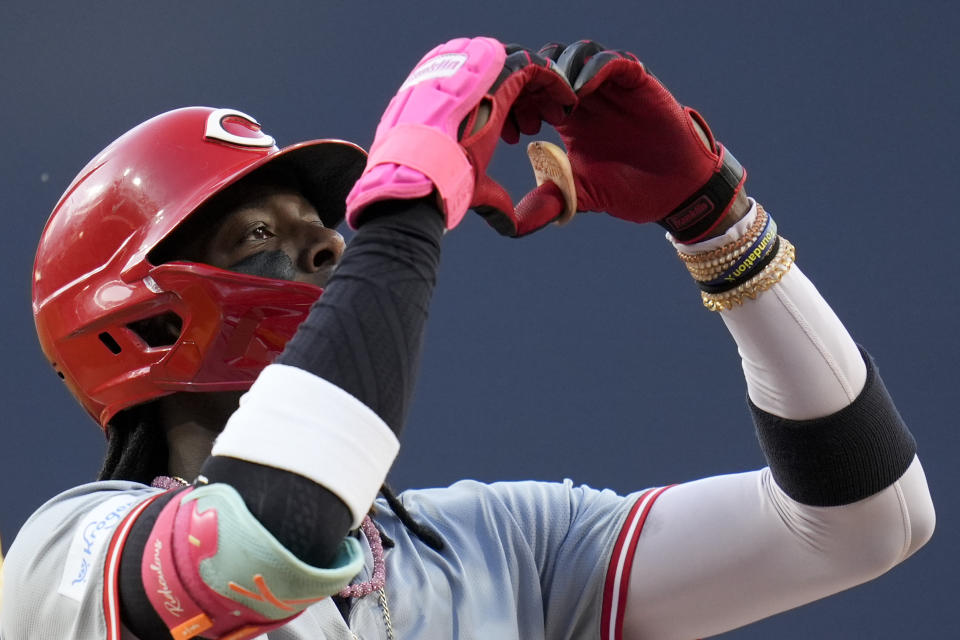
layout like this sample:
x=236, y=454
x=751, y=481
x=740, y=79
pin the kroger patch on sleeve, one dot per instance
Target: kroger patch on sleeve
x=90, y=539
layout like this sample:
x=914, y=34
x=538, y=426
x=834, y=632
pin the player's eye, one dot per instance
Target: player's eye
x=260, y=232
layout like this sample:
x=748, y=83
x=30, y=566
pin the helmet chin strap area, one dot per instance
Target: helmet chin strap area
x=267, y=264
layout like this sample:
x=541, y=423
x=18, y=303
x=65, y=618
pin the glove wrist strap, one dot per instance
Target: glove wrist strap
x=699, y=214
x=435, y=155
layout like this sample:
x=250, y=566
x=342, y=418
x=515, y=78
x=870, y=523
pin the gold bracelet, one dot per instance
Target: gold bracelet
x=729, y=254
x=721, y=253
x=706, y=273
x=771, y=275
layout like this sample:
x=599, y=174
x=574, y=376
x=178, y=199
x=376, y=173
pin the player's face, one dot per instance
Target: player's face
x=270, y=232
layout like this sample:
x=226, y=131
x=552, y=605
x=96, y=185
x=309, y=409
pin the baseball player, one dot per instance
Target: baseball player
x=184, y=267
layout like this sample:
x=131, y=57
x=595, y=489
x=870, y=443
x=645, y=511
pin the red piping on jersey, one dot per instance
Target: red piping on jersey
x=621, y=563
x=111, y=591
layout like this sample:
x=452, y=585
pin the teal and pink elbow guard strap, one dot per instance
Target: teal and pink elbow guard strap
x=209, y=567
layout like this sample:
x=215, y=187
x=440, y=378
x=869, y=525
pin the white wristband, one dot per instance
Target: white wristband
x=293, y=420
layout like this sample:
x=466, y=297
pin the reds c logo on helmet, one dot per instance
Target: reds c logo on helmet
x=245, y=131
x=95, y=287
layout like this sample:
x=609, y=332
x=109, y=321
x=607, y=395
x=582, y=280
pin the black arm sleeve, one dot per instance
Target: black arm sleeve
x=841, y=458
x=364, y=335
x=365, y=332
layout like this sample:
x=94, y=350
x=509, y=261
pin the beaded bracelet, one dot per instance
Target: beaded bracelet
x=751, y=262
x=769, y=276
x=743, y=268
x=710, y=257
x=738, y=267
x=732, y=253
x=721, y=261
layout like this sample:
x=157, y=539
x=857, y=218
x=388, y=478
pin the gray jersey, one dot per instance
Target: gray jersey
x=521, y=560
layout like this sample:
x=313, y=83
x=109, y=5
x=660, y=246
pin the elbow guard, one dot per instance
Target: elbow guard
x=209, y=567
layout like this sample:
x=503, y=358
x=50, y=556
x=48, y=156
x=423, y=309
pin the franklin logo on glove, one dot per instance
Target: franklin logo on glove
x=443, y=66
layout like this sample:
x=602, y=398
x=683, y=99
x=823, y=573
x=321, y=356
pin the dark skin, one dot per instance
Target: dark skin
x=255, y=219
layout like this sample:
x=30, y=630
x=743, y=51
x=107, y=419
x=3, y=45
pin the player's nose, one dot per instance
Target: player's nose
x=320, y=251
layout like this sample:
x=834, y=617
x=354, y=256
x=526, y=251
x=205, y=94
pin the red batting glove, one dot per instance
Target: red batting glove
x=528, y=92
x=635, y=151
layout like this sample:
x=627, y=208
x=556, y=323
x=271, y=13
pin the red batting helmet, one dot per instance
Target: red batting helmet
x=94, y=287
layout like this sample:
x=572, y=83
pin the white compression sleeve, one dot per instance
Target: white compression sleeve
x=719, y=553
x=798, y=359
